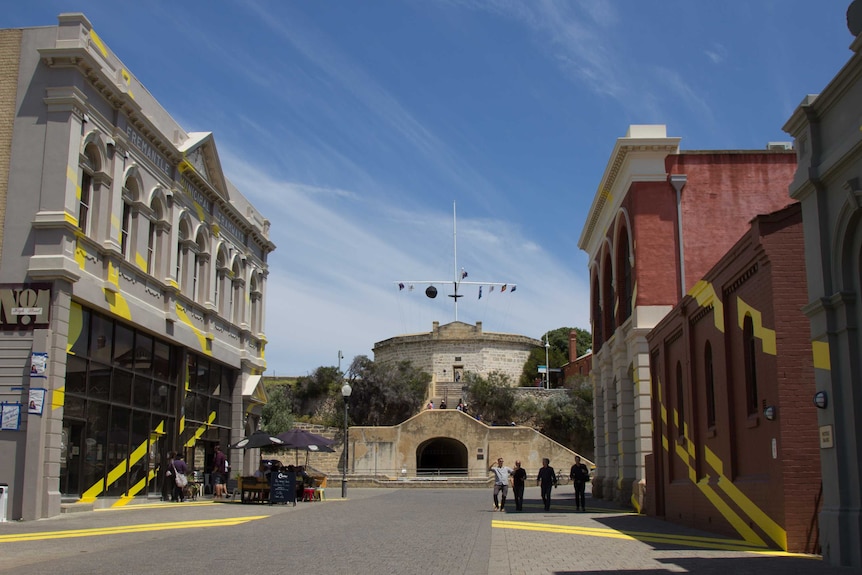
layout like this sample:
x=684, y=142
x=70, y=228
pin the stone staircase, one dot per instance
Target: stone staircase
x=451, y=391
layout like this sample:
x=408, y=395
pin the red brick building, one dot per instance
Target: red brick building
x=660, y=219
x=735, y=447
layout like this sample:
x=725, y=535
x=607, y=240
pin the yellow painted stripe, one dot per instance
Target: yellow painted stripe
x=820, y=350
x=181, y=314
x=729, y=514
x=124, y=529
x=772, y=529
x=98, y=43
x=704, y=294
x=641, y=536
x=58, y=398
x=141, y=261
x=766, y=335
x=120, y=469
x=201, y=430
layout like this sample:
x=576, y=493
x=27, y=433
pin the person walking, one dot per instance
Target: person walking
x=547, y=478
x=219, y=472
x=579, y=476
x=501, y=484
x=179, y=466
x=519, y=478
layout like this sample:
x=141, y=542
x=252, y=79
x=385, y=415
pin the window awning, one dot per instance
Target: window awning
x=253, y=390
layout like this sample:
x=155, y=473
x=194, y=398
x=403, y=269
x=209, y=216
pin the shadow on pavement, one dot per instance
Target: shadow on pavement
x=735, y=565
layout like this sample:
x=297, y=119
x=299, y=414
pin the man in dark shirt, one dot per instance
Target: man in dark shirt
x=547, y=478
x=519, y=477
x=579, y=476
x=219, y=473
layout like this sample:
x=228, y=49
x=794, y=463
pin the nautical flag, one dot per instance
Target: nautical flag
x=463, y=273
x=400, y=286
x=514, y=288
x=480, y=292
x=502, y=289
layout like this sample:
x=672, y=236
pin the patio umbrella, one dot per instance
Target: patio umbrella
x=258, y=439
x=299, y=439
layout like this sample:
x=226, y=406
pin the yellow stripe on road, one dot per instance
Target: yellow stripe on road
x=123, y=529
x=643, y=536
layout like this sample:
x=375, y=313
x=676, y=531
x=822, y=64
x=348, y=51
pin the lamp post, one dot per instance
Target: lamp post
x=547, y=364
x=346, y=390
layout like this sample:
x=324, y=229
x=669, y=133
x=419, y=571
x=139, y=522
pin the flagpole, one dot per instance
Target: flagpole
x=455, y=250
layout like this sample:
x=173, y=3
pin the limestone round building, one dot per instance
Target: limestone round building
x=450, y=350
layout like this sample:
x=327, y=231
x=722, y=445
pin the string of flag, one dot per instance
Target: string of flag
x=491, y=287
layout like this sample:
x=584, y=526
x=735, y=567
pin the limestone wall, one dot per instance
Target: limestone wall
x=452, y=349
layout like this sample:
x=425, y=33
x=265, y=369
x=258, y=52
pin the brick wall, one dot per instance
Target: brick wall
x=762, y=274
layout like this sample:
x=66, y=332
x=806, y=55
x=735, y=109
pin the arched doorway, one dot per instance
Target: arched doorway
x=441, y=456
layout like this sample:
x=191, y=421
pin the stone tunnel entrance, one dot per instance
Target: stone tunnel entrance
x=441, y=456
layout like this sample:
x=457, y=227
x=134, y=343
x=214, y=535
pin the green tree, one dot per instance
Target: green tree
x=313, y=393
x=276, y=415
x=558, y=353
x=568, y=419
x=385, y=394
x=491, y=397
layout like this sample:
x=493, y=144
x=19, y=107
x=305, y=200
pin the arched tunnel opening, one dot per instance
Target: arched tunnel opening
x=441, y=456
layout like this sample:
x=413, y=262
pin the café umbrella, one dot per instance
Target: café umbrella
x=300, y=439
x=257, y=439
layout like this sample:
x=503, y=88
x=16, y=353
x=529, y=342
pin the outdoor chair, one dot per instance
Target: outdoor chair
x=320, y=491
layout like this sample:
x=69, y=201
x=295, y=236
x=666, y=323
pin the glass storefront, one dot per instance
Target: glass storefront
x=130, y=398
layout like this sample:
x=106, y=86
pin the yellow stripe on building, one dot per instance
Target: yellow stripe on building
x=820, y=351
x=766, y=335
x=704, y=294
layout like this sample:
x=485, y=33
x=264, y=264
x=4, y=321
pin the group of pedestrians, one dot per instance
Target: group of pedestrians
x=546, y=479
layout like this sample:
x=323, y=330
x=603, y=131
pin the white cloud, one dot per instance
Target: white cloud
x=331, y=284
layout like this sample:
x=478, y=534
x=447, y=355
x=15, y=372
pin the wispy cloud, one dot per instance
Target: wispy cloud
x=717, y=53
x=332, y=277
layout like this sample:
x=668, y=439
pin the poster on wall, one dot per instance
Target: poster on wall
x=37, y=400
x=38, y=364
x=10, y=416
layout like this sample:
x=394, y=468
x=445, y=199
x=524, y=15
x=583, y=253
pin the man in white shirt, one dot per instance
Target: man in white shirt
x=501, y=483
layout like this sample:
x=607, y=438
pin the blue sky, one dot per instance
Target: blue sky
x=354, y=126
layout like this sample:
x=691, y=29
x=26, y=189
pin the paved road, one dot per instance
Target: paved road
x=379, y=531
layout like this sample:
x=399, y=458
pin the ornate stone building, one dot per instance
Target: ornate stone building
x=827, y=129
x=134, y=281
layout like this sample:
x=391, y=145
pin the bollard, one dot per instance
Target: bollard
x=4, y=496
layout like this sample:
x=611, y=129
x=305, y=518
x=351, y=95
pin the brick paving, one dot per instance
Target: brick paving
x=381, y=531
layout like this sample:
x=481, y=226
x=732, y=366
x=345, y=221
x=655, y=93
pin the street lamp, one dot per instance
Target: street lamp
x=547, y=364
x=346, y=390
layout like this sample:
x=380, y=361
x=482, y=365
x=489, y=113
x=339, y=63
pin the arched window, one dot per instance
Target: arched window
x=153, y=251
x=709, y=377
x=237, y=303
x=749, y=351
x=607, y=299
x=680, y=401
x=624, y=272
x=199, y=275
x=255, y=297
x=183, y=236
x=90, y=164
x=127, y=237
x=597, y=315
x=218, y=291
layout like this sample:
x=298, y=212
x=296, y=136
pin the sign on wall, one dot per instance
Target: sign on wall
x=25, y=306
